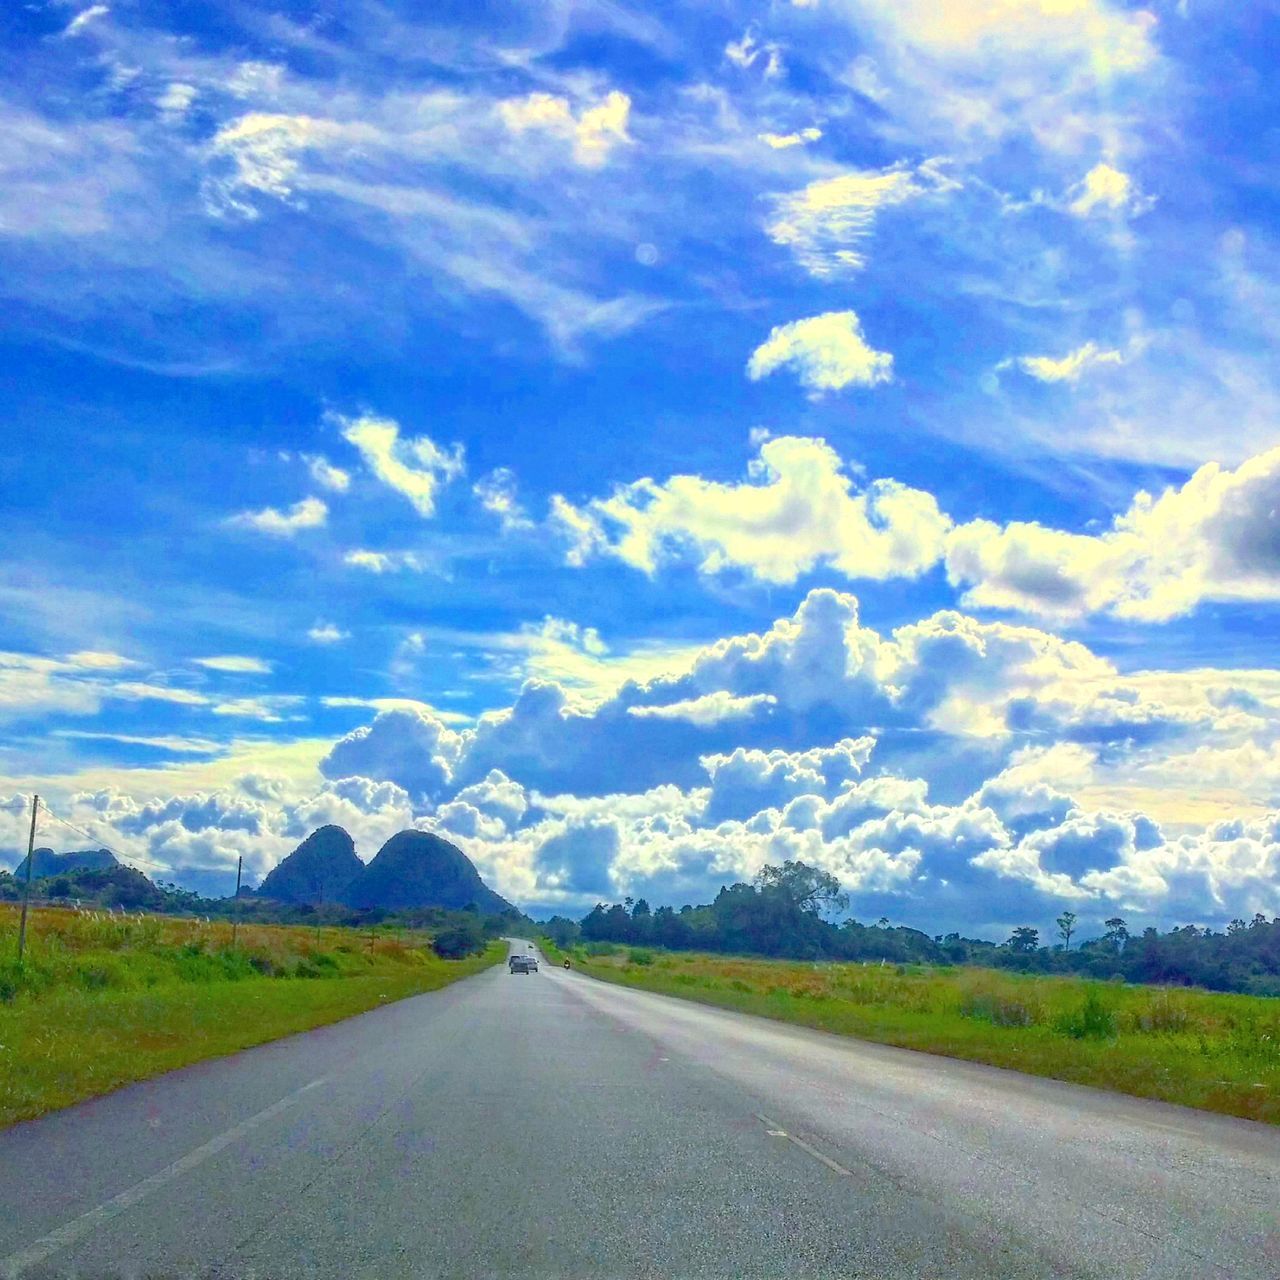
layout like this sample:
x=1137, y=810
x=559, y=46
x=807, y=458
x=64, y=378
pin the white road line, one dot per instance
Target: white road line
x=16, y=1263
x=771, y=1128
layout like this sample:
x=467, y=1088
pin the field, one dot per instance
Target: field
x=104, y=1000
x=1197, y=1048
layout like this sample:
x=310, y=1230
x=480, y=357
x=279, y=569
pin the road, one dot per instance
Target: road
x=553, y=1125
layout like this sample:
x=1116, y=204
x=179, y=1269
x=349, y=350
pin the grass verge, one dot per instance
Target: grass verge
x=1195, y=1048
x=105, y=1001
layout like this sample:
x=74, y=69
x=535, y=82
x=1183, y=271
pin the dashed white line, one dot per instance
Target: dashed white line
x=66, y=1235
x=772, y=1129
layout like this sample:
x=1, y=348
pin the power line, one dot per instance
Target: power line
x=115, y=853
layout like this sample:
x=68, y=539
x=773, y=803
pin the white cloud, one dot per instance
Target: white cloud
x=1070, y=367
x=1113, y=40
x=497, y=494
x=176, y=98
x=325, y=474
x=746, y=52
x=1215, y=538
x=144, y=691
x=796, y=511
x=780, y=141
x=710, y=708
x=1108, y=188
x=415, y=467
x=310, y=513
x=327, y=633
x=96, y=660
x=381, y=561
x=594, y=132
x=828, y=352
x=84, y=18
x=234, y=663
x=265, y=151
x=824, y=223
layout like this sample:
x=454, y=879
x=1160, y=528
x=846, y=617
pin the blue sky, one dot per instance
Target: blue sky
x=642, y=444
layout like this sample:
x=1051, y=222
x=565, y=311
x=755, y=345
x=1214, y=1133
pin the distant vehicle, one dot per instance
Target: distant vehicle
x=522, y=964
x=533, y=963
x=566, y=964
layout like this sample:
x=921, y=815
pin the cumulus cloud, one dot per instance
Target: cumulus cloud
x=673, y=785
x=407, y=746
x=1070, y=367
x=176, y=98
x=1213, y=538
x=796, y=511
x=310, y=513
x=827, y=352
x=594, y=132
x=1217, y=537
x=415, y=467
x=709, y=709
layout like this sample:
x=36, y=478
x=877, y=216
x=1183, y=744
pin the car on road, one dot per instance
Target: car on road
x=522, y=964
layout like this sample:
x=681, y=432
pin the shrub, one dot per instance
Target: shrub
x=1001, y=1011
x=642, y=957
x=1164, y=1013
x=10, y=983
x=460, y=941
x=1092, y=1021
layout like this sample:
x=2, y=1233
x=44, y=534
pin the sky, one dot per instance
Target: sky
x=643, y=443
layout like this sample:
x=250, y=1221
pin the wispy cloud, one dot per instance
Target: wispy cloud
x=235, y=664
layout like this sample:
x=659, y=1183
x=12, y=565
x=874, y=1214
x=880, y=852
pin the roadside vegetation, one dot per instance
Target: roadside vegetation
x=782, y=914
x=1197, y=1048
x=104, y=999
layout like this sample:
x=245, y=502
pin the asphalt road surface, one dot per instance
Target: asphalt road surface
x=552, y=1125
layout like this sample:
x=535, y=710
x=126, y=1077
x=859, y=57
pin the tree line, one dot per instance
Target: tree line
x=784, y=912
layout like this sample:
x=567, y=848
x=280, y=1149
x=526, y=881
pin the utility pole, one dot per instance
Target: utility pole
x=235, y=910
x=26, y=895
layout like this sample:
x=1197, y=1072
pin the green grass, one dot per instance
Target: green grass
x=102, y=1001
x=1196, y=1048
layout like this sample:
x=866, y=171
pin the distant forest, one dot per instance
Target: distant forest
x=782, y=914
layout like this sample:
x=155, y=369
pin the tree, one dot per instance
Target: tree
x=806, y=887
x=1023, y=940
x=1117, y=933
x=1066, y=927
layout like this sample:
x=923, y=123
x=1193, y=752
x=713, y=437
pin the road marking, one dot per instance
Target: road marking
x=69, y=1233
x=771, y=1128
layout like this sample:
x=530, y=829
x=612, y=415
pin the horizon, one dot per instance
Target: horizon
x=645, y=447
